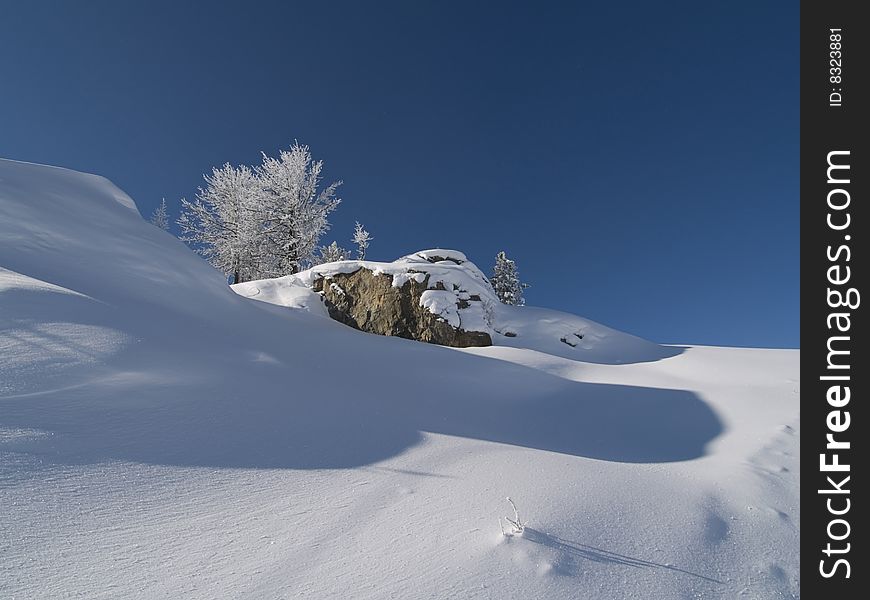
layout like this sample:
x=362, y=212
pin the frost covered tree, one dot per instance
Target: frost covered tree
x=160, y=216
x=223, y=223
x=506, y=282
x=361, y=238
x=294, y=210
x=332, y=253
x=261, y=222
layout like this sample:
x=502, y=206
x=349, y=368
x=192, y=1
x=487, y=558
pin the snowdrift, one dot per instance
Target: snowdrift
x=163, y=436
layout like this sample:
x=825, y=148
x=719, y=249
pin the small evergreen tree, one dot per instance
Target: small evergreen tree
x=361, y=238
x=160, y=216
x=332, y=253
x=506, y=282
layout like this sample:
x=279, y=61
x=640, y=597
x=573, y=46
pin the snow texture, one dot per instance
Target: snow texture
x=163, y=436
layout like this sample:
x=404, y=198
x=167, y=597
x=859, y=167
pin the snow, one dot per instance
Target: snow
x=439, y=255
x=163, y=436
x=443, y=304
x=10, y=280
x=283, y=291
x=543, y=330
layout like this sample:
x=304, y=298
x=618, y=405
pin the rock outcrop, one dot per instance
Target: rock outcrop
x=434, y=296
x=369, y=302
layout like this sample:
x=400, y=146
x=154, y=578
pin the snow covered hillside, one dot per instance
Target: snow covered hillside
x=163, y=436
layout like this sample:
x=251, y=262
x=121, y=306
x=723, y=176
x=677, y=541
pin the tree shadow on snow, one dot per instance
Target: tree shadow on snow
x=287, y=392
x=571, y=551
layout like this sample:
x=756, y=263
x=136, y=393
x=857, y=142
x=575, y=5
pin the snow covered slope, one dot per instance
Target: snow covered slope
x=162, y=436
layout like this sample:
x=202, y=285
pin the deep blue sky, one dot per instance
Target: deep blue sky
x=638, y=160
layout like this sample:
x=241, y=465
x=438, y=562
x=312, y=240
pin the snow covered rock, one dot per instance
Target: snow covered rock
x=370, y=302
x=434, y=296
x=441, y=297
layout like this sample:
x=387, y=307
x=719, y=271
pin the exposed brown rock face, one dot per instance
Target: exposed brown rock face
x=369, y=302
